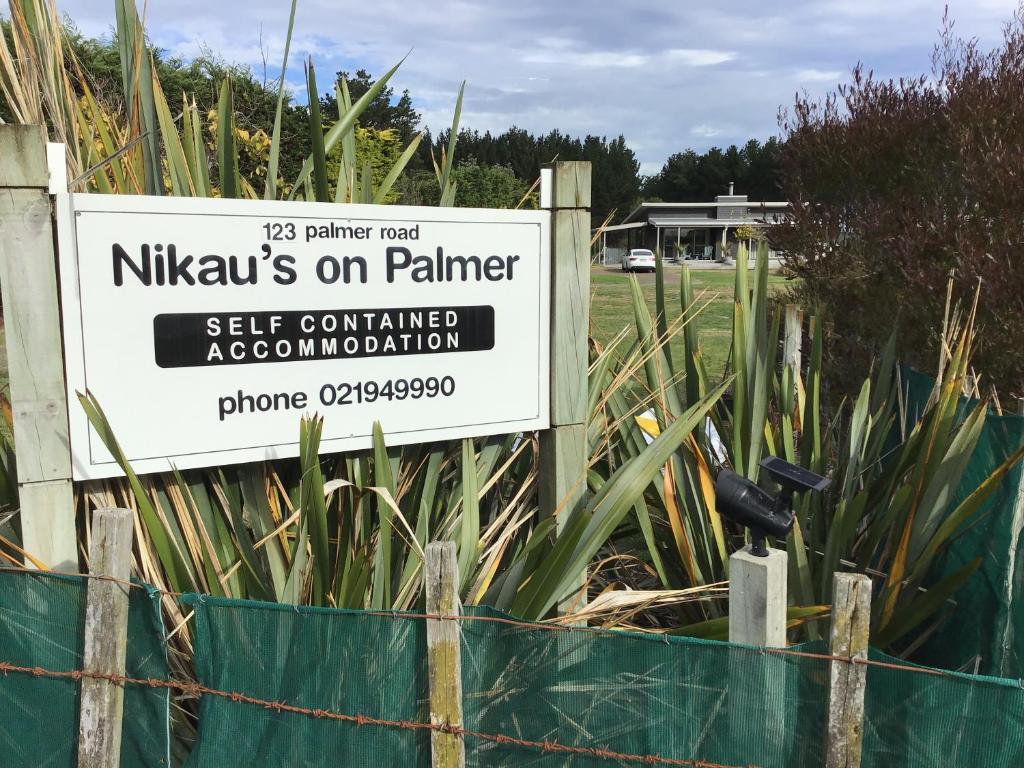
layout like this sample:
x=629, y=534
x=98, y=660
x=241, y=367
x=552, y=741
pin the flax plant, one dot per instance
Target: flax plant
x=889, y=511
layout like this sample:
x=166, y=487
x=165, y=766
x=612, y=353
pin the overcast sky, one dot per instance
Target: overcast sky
x=667, y=74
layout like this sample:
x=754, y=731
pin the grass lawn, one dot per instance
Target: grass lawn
x=611, y=307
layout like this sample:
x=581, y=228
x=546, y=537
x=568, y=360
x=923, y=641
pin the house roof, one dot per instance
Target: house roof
x=752, y=205
x=689, y=223
x=619, y=227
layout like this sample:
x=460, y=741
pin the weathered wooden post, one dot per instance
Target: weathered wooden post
x=28, y=283
x=106, y=639
x=563, y=447
x=444, y=656
x=793, y=339
x=757, y=598
x=851, y=622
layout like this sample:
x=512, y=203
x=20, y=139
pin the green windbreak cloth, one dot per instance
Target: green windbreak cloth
x=680, y=698
x=42, y=619
x=641, y=694
x=343, y=661
x=984, y=630
x=916, y=720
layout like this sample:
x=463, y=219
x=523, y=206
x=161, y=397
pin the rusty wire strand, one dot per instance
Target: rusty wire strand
x=197, y=689
x=522, y=624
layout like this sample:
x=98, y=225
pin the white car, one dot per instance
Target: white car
x=638, y=260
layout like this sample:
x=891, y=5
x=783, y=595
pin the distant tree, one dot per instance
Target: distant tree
x=378, y=148
x=691, y=177
x=616, y=176
x=895, y=186
x=385, y=112
x=487, y=186
x=616, y=171
x=417, y=188
x=479, y=186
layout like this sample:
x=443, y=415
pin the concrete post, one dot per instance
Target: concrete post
x=757, y=616
x=757, y=598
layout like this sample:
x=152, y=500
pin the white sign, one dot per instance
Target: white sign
x=207, y=328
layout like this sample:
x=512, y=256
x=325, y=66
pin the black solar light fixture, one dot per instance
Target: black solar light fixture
x=745, y=503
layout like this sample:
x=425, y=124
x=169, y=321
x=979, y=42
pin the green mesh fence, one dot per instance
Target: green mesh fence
x=680, y=698
x=984, y=630
x=918, y=720
x=676, y=698
x=42, y=618
x=644, y=695
x=637, y=694
x=344, y=661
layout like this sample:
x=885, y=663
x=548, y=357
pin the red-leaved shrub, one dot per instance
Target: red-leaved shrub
x=895, y=186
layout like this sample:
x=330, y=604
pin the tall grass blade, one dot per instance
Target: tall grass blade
x=227, y=152
x=270, y=191
x=316, y=137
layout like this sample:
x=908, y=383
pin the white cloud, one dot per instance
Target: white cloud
x=818, y=75
x=699, y=57
x=591, y=59
x=668, y=75
x=560, y=51
x=705, y=131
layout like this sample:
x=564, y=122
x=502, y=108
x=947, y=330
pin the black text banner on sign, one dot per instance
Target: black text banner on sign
x=207, y=328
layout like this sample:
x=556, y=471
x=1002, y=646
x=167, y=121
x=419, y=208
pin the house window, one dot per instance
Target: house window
x=698, y=245
x=670, y=243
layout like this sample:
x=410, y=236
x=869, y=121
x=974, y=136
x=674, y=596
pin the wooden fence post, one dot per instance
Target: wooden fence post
x=444, y=655
x=106, y=639
x=35, y=358
x=793, y=338
x=563, y=447
x=851, y=622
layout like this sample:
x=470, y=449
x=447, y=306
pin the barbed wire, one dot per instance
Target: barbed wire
x=198, y=689
x=533, y=625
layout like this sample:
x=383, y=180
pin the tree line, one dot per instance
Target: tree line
x=688, y=176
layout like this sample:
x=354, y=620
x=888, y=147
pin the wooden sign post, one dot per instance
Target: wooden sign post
x=563, y=447
x=35, y=360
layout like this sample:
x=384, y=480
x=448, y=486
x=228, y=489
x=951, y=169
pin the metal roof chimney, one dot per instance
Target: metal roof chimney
x=730, y=189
